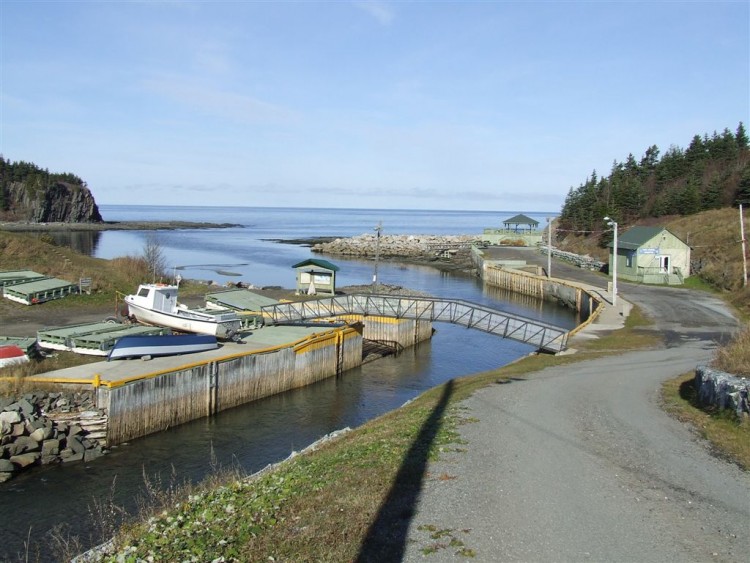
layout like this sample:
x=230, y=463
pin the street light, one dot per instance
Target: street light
x=613, y=225
x=549, y=246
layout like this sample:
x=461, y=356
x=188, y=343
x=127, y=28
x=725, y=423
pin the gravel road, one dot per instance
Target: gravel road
x=579, y=463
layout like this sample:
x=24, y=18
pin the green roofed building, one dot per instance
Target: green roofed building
x=316, y=276
x=650, y=255
x=520, y=223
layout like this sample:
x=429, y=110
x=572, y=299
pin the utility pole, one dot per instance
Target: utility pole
x=378, y=230
x=744, y=252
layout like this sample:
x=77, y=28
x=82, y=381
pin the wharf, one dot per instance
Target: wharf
x=118, y=372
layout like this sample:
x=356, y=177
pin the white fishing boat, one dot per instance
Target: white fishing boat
x=156, y=304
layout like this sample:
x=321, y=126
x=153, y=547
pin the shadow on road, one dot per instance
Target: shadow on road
x=386, y=538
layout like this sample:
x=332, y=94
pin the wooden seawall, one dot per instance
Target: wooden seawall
x=158, y=401
x=538, y=286
x=141, y=398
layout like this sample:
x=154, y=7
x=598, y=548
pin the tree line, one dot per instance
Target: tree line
x=32, y=176
x=713, y=172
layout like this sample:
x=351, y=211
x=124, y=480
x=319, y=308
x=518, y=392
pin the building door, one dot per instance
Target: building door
x=664, y=264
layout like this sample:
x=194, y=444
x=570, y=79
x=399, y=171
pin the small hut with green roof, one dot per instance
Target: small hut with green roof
x=316, y=276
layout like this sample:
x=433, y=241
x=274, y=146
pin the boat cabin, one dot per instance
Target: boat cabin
x=157, y=297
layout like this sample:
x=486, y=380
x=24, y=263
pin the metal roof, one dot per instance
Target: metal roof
x=521, y=220
x=319, y=263
x=635, y=237
x=36, y=286
x=240, y=299
x=18, y=276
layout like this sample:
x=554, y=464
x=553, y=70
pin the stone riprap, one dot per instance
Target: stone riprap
x=31, y=435
x=402, y=246
x=582, y=261
x=722, y=390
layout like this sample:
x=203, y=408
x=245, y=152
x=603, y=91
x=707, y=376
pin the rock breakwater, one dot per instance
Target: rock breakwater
x=398, y=246
x=47, y=428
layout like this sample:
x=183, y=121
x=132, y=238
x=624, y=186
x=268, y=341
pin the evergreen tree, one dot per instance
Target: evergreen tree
x=741, y=137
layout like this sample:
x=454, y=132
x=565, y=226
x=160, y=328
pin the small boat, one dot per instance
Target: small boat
x=12, y=355
x=161, y=345
x=156, y=304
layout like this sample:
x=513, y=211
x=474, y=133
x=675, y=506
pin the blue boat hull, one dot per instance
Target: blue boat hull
x=161, y=345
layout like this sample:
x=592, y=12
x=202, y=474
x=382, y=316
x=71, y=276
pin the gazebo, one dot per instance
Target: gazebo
x=520, y=224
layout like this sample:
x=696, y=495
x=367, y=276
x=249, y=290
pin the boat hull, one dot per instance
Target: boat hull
x=183, y=323
x=161, y=345
x=12, y=355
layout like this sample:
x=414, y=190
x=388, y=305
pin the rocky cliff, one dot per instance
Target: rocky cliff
x=61, y=202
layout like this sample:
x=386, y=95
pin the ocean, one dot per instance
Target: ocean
x=250, y=253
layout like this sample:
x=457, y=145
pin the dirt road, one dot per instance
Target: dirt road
x=580, y=463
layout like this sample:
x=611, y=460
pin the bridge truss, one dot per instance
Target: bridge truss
x=544, y=336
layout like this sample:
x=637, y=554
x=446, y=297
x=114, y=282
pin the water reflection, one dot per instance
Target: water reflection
x=84, y=242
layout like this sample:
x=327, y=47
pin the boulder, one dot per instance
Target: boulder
x=41, y=434
x=6, y=466
x=10, y=416
x=5, y=476
x=26, y=459
x=26, y=444
x=73, y=457
x=74, y=443
x=51, y=447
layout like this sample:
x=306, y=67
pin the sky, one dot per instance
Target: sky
x=383, y=105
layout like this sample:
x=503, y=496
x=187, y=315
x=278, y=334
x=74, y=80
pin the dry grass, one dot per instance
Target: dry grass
x=734, y=357
x=729, y=436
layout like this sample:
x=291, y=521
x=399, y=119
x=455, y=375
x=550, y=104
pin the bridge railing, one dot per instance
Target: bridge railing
x=543, y=335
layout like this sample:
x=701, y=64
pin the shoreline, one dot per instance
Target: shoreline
x=21, y=227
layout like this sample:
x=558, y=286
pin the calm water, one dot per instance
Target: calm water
x=266, y=431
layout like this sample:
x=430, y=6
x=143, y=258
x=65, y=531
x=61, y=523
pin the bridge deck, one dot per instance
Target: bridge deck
x=544, y=336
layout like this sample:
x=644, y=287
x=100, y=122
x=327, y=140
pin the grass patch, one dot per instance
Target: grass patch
x=729, y=436
x=637, y=334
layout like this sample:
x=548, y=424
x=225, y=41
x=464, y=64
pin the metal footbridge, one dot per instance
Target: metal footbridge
x=544, y=336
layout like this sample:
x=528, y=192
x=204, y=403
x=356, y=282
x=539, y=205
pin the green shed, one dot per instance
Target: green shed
x=650, y=255
x=316, y=276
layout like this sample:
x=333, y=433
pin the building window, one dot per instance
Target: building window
x=629, y=260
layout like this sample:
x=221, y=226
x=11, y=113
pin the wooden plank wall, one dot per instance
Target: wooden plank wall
x=156, y=403
x=152, y=405
x=405, y=332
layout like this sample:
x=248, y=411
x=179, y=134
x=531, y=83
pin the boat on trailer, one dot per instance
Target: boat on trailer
x=161, y=345
x=156, y=304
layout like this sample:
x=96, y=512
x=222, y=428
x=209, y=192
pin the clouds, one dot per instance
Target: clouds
x=368, y=104
x=382, y=13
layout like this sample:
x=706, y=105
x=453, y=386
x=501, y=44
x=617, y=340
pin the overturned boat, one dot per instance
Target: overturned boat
x=156, y=304
x=161, y=345
x=12, y=355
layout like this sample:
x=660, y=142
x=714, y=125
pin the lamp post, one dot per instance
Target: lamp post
x=613, y=225
x=549, y=246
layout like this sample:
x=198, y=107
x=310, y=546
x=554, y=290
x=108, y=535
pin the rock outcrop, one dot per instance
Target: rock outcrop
x=61, y=202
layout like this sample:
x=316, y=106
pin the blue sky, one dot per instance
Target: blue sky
x=428, y=105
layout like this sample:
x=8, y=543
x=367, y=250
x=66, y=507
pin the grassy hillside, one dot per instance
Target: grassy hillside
x=714, y=237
